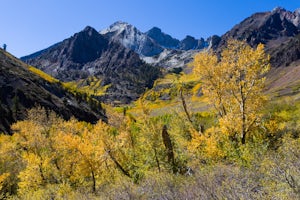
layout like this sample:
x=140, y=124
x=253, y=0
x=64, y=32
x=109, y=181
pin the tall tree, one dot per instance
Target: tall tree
x=234, y=85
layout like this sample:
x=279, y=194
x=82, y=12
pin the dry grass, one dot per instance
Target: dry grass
x=284, y=81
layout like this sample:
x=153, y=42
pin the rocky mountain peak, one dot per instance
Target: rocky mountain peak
x=85, y=46
x=155, y=30
x=293, y=17
x=132, y=38
x=151, y=43
x=118, y=27
x=296, y=18
x=163, y=39
x=278, y=10
x=89, y=30
x=188, y=42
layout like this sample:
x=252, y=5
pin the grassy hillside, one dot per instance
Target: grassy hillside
x=284, y=81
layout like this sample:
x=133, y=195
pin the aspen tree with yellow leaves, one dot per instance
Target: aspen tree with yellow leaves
x=234, y=86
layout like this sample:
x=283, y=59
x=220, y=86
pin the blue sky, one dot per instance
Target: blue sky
x=31, y=25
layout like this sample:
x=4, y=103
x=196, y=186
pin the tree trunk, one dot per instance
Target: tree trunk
x=94, y=181
x=156, y=159
x=184, y=105
x=119, y=166
x=169, y=147
x=243, y=113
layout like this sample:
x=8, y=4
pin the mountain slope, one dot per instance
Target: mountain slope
x=264, y=27
x=284, y=53
x=66, y=60
x=88, y=53
x=276, y=29
x=21, y=89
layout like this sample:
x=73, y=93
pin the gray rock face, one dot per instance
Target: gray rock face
x=153, y=43
x=89, y=53
x=190, y=43
x=213, y=41
x=293, y=17
x=285, y=53
x=20, y=89
x=155, y=47
x=66, y=60
x=170, y=59
x=262, y=28
x=166, y=41
x=130, y=37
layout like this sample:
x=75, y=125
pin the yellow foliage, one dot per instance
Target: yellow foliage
x=3, y=178
x=273, y=126
x=43, y=75
x=32, y=177
x=90, y=86
x=234, y=85
x=58, y=151
x=208, y=144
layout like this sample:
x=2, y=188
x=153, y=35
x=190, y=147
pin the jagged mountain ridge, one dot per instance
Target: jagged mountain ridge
x=162, y=38
x=273, y=28
x=89, y=53
x=20, y=89
x=150, y=43
x=154, y=46
x=168, y=42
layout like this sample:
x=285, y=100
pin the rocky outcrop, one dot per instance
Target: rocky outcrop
x=285, y=53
